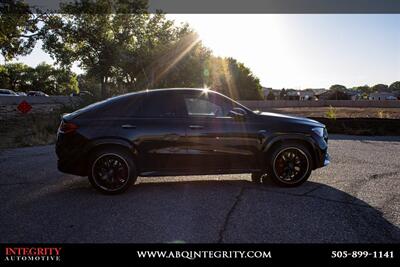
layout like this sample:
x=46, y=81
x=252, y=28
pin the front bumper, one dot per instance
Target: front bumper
x=327, y=159
x=322, y=157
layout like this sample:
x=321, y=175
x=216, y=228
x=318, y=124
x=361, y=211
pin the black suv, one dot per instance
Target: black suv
x=183, y=132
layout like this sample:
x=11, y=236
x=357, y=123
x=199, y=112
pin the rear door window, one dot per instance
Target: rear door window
x=162, y=105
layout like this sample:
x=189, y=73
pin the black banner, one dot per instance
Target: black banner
x=242, y=6
x=259, y=254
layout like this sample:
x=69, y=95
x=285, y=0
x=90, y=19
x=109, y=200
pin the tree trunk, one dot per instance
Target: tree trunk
x=104, y=91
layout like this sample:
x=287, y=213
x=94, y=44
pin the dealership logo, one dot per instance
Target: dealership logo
x=32, y=254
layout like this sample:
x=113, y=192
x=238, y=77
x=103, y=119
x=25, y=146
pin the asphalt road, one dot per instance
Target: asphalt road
x=355, y=199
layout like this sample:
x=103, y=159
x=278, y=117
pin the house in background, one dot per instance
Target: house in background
x=382, y=96
x=266, y=91
x=307, y=94
x=334, y=95
x=354, y=95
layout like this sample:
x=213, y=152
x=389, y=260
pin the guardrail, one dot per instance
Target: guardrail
x=266, y=104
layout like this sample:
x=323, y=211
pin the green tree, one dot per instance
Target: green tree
x=3, y=78
x=338, y=92
x=54, y=81
x=183, y=63
x=234, y=79
x=44, y=77
x=380, y=88
x=338, y=87
x=283, y=94
x=270, y=96
x=395, y=86
x=96, y=34
x=16, y=76
x=19, y=29
x=89, y=83
x=365, y=89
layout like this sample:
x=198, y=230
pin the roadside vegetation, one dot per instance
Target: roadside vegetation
x=331, y=113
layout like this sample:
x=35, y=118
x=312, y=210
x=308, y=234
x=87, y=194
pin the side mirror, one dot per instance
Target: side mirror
x=238, y=113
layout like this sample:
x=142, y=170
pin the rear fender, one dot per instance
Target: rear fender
x=98, y=143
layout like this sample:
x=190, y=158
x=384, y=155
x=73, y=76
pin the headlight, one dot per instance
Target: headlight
x=319, y=131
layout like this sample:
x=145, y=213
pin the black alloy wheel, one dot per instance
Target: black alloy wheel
x=290, y=165
x=112, y=171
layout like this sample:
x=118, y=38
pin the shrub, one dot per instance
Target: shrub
x=331, y=113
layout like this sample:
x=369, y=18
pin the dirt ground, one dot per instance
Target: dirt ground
x=340, y=112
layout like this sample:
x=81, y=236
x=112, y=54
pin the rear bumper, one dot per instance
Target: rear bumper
x=75, y=167
x=71, y=158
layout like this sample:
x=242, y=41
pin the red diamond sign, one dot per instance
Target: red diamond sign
x=24, y=107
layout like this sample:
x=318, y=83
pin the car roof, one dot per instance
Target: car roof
x=170, y=90
x=176, y=89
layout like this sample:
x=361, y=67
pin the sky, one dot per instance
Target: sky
x=298, y=51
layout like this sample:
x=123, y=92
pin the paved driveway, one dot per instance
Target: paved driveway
x=355, y=199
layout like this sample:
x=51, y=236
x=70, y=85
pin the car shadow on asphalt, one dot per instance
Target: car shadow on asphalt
x=205, y=211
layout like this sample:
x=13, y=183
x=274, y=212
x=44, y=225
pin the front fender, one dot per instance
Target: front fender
x=282, y=138
x=270, y=141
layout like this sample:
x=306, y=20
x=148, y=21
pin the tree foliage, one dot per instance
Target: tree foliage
x=395, y=86
x=122, y=48
x=338, y=87
x=20, y=77
x=233, y=78
x=365, y=89
x=19, y=28
x=338, y=92
x=270, y=96
x=380, y=88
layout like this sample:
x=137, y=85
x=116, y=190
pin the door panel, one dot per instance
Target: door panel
x=161, y=146
x=221, y=143
x=160, y=130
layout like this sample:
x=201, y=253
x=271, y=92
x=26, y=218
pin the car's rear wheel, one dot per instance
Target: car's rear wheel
x=112, y=170
x=290, y=165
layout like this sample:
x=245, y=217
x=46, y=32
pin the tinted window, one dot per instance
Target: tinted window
x=207, y=105
x=5, y=92
x=124, y=107
x=162, y=104
x=120, y=106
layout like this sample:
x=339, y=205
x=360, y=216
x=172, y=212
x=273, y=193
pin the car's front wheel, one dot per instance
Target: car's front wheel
x=290, y=165
x=112, y=170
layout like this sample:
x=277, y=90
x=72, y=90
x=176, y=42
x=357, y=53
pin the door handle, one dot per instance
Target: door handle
x=196, y=127
x=128, y=126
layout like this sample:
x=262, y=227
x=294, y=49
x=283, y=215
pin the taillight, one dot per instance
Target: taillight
x=67, y=127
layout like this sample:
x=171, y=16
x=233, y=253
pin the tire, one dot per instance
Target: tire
x=290, y=165
x=111, y=170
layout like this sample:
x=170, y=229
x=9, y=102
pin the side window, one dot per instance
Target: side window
x=162, y=105
x=206, y=106
x=121, y=106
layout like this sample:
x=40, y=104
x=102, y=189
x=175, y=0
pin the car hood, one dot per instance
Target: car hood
x=292, y=119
